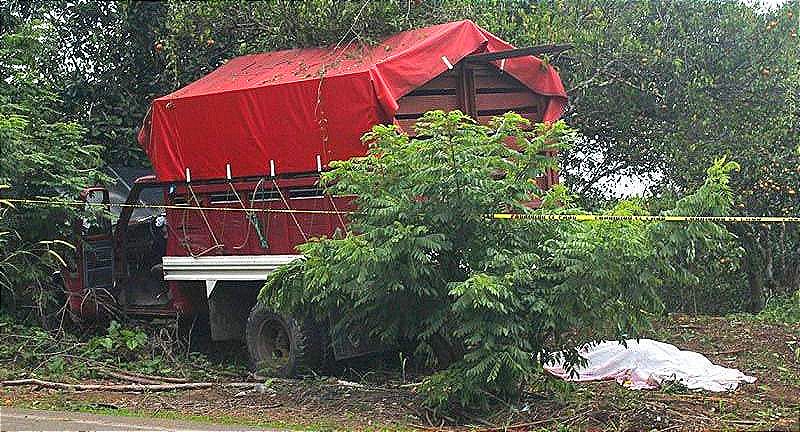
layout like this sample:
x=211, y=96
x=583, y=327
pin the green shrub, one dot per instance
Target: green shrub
x=118, y=341
x=784, y=310
x=487, y=301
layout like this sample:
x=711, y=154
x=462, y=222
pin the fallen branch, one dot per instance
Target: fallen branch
x=122, y=387
x=126, y=375
x=430, y=428
x=108, y=368
x=131, y=378
x=744, y=422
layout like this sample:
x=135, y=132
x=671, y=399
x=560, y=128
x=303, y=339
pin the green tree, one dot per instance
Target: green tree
x=102, y=60
x=662, y=88
x=486, y=300
x=42, y=155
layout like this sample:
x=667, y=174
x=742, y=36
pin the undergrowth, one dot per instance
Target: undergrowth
x=778, y=310
x=781, y=310
x=153, y=349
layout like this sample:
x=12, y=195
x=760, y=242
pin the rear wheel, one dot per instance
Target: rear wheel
x=282, y=346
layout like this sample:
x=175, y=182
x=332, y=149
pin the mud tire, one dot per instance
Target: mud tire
x=283, y=346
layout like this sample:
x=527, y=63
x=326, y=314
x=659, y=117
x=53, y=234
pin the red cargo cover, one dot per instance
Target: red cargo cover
x=290, y=106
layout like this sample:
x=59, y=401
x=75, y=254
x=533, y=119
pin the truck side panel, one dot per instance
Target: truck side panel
x=211, y=233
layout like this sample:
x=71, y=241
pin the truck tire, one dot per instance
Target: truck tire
x=282, y=346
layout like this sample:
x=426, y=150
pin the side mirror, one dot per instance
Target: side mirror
x=95, y=196
x=95, y=220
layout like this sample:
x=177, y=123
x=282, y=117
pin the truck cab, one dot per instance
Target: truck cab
x=169, y=249
x=118, y=255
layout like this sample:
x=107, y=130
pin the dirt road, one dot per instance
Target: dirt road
x=12, y=419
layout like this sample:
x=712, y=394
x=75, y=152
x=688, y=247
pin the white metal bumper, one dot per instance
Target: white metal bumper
x=216, y=268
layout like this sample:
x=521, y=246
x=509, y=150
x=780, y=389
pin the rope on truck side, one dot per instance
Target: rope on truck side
x=583, y=217
x=186, y=242
x=42, y=202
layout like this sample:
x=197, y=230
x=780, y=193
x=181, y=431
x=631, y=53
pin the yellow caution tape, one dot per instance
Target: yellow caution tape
x=592, y=217
x=539, y=217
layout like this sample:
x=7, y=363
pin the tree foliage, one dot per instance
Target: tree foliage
x=100, y=59
x=487, y=301
x=200, y=36
x=43, y=154
x=658, y=89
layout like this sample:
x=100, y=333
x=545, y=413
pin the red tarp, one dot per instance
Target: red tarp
x=290, y=106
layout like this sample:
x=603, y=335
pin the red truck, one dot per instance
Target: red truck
x=195, y=239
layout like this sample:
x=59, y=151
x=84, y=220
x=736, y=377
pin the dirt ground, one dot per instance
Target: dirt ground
x=770, y=352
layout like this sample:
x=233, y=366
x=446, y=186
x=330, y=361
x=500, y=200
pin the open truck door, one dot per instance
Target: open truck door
x=90, y=283
x=97, y=245
x=120, y=240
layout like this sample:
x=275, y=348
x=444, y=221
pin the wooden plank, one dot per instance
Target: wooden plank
x=520, y=101
x=483, y=69
x=499, y=81
x=417, y=105
x=466, y=91
x=461, y=92
x=518, y=52
x=469, y=83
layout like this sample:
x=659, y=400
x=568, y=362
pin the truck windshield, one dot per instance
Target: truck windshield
x=118, y=191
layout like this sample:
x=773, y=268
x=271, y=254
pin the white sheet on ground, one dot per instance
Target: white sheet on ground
x=647, y=363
